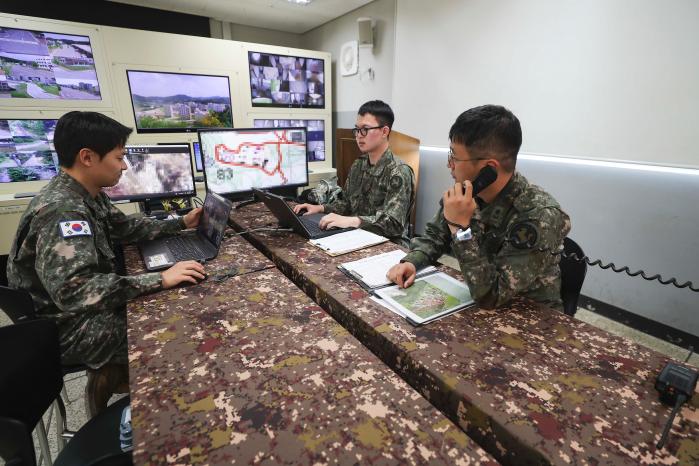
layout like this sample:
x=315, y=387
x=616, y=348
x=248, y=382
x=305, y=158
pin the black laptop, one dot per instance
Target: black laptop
x=202, y=245
x=305, y=225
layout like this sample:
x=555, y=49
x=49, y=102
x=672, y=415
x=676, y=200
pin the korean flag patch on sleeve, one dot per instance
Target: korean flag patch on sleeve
x=70, y=228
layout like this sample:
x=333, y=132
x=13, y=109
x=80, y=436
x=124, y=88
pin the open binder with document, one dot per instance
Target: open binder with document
x=433, y=295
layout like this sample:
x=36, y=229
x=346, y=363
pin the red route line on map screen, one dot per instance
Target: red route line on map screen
x=281, y=139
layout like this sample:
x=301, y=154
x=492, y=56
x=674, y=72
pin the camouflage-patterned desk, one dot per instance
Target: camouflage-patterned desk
x=531, y=385
x=250, y=370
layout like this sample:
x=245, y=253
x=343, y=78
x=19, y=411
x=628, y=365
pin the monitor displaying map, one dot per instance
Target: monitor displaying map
x=237, y=160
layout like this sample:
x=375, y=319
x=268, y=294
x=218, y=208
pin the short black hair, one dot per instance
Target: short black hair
x=380, y=109
x=489, y=130
x=78, y=130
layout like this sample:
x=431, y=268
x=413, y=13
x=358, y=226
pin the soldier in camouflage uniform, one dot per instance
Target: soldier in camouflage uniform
x=378, y=193
x=496, y=235
x=63, y=251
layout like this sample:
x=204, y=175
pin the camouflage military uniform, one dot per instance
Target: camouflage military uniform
x=71, y=276
x=494, y=269
x=380, y=195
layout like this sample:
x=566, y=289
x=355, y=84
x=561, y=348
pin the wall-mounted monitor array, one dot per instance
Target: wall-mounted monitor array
x=286, y=81
x=177, y=102
x=155, y=172
x=315, y=145
x=237, y=160
x=46, y=65
x=26, y=150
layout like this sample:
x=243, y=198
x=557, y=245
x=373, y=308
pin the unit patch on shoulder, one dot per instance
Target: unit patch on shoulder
x=70, y=228
x=524, y=235
x=396, y=182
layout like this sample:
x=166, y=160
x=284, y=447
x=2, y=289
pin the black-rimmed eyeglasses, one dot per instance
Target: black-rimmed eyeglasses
x=363, y=131
x=452, y=160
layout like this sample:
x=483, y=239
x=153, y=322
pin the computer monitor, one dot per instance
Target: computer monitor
x=155, y=172
x=26, y=150
x=178, y=102
x=46, y=65
x=315, y=147
x=286, y=81
x=237, y=160
x=196, y=148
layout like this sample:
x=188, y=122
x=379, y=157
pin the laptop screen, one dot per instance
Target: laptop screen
x=214, y=218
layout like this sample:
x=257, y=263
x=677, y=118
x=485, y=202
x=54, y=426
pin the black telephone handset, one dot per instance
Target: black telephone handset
x=485, y=178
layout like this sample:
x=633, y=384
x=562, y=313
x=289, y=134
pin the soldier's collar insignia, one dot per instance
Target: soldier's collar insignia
x=71, y=228
x=523, y=235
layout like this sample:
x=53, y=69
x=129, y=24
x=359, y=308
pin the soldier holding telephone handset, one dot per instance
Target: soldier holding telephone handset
x=492, y=219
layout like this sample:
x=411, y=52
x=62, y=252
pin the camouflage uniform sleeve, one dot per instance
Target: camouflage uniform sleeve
x=495, y=281
x=77, y=272
x=341, y=205
x=426, y=249
x=390, y=220
x=134, y=228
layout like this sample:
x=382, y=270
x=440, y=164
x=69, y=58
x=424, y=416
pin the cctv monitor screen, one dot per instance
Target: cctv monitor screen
x=155, y=172
x=315, y=131
x=46, y=65
x=237, y=160
x=286, y=81
x=197, y=157
x=178, y=102
x=26, y=150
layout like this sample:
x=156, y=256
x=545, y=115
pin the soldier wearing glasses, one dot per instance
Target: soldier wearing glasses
x=378, y=193
x=495, y=236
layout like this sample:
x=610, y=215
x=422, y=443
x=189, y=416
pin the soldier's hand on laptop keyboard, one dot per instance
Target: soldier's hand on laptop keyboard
x=338, y=221
x=308, y=209
x=183, y=272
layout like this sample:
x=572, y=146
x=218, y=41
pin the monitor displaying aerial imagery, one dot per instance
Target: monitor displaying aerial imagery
x=155, y=172
x=178, y=102
x=26, y=150
x=46, y=65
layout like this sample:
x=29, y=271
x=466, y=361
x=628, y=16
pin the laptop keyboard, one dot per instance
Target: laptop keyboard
x=312, y=226
x=184, y=248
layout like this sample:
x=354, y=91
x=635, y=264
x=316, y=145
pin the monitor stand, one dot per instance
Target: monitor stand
x=246, y=202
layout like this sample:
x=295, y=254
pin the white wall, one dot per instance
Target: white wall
x=599, y=78
x=352, y=91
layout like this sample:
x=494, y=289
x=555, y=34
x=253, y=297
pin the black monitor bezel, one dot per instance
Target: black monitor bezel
x=58, y=167
x=194, y=155
x=150, y=196
x=239, y=194
x=273, y=105
x=175, y=130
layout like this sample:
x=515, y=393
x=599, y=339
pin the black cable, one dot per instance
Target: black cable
x=612, y=265
x=196, y=201
x=681, y=398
